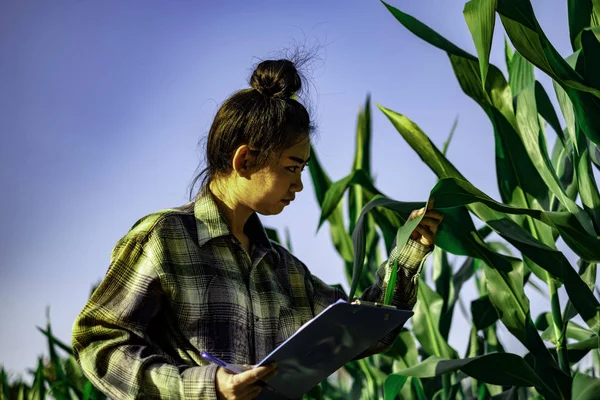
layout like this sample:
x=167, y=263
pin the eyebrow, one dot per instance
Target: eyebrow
x=299, y=160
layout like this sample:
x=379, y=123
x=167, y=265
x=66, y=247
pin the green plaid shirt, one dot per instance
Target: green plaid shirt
x=180, y=283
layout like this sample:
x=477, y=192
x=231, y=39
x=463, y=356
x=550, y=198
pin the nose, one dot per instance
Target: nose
x=297, y=186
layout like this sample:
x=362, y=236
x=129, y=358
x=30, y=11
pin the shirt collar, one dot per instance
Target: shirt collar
x=211, y=224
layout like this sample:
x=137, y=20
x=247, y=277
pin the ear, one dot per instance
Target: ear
x=243, y=160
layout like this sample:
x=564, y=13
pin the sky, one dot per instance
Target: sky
x=103, y=104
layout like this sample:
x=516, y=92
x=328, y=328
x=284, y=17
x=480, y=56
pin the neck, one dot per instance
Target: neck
x=236, y=214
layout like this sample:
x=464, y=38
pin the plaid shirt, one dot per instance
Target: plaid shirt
x=180, y=283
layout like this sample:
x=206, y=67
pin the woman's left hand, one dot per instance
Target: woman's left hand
x=426, y=232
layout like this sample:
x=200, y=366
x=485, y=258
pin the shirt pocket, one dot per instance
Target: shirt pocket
x=222, y=322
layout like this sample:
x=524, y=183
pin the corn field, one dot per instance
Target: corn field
x=499, y=246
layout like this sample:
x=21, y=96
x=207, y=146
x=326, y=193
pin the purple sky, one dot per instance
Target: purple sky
x=102, y=104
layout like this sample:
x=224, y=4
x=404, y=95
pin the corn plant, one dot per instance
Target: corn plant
x=57, y=377
x=539, y=192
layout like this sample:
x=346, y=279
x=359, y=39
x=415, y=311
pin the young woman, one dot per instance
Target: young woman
x=205, y=277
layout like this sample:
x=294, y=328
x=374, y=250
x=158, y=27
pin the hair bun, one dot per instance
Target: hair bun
x=276, y=78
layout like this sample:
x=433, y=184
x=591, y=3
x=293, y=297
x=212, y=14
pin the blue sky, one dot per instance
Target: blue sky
x=103, y=103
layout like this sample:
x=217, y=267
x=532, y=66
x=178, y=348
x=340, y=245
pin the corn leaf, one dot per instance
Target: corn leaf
x=536, y=148
x=481, y=18
x=404, y=350
x=39, y=381
x=588, y=189
x=498, y=368
x=580, y=15
x=520, y=73
x=483, y=312
x=362, y=161
x=591, y=55
x=393, y=385
x=524, y=31
x=336, y=191
x=273, y=235
x=572, y=231
x=340, y=237
x=590, y=343
x=546, y=110
x=450, y=135
x=389, y=292
x=426, y=323
x=594, y=152
x=449, y=236
x=562, y=161
x=451, y=192
x=585, y=387
x=444, y=286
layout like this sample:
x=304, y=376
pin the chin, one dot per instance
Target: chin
x=272, y=210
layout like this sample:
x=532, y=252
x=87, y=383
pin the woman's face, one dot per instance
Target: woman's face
x=270, y=189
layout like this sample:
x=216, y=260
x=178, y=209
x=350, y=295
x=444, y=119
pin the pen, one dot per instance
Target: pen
x=229, y=367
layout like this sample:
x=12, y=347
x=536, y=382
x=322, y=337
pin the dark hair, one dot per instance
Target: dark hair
x=265, y=117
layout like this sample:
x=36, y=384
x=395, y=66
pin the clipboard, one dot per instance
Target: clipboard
x=323, y=345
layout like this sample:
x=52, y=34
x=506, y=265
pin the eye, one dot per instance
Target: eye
x=292, y=169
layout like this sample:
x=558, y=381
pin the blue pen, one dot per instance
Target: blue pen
x=229, y=367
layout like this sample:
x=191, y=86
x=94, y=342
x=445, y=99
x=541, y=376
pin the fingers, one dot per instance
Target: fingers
x=254, y=375
x=430, y=204
x=416, y=213
x=427, y=237
x=430, y=223
x=435, y=215
x=251, y=392
x=246, y=385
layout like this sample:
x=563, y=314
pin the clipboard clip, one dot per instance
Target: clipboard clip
x=374, y=304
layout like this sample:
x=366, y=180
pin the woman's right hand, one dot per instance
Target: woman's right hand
x=244, y=386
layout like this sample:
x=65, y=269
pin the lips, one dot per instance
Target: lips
x=287, y=201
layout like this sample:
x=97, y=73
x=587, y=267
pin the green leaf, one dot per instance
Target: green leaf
x=389, y=292
x=562, y=161
x=424, y=32
x=360, y=235
x=573, y=331
x=481, y=18
x=336, y=191
x=580, y=12
x=444, y=286
x=362, y=161
x=536, y=148
x=340, y=237
x=496, y=368
x=416, y=384
x=451, y=192
x=591, y=56
x=588, y=189
x=39, y=380
x=528, y=38
x=546, y=110
x=585, y=387
x=484, y=313
x=404, y=349
x=393, y=385
x=552, y=260
x=586, y=344
x=450, y=135
x=288, y=240
x=519, y=180
x=272, y=234
x=520, y=73
x=426, y=323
